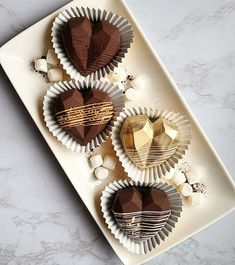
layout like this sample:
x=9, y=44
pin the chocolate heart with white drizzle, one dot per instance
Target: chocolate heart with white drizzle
x=90, y=46
x=141, y=212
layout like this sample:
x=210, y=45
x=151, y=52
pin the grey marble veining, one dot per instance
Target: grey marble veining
x=42, y=219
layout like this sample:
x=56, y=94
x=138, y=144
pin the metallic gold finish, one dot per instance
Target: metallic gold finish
x=148, y=144
x=87, y=115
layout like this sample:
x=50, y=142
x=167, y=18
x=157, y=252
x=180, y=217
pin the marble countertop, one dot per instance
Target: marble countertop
x=42, y=219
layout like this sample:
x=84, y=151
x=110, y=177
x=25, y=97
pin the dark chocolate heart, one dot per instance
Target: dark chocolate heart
x=90, y=46
x=141, y=212
x=83, y=114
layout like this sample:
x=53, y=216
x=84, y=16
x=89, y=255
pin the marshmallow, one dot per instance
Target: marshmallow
x=40, y=65
x=130, y=94
x=96, y=161
x=52, y=57
x=109, y=162
x=195, y=198
x=122, y=86
x=55, y=75
x=178, y=178
x=186, y=189
x=101, y=173
x=138, y=83
x=193, y=177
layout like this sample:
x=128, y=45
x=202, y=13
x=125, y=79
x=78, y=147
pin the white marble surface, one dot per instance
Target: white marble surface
x=42, y=219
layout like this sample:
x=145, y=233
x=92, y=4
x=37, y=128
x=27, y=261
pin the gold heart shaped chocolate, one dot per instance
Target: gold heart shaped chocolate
x=148, y=143
x=141, y=212
x=90, y=46
x=83, y=114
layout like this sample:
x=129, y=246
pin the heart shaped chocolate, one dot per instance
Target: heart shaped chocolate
x=141, y=212
x=83, y=114
x=90, y=46
x=146, y=143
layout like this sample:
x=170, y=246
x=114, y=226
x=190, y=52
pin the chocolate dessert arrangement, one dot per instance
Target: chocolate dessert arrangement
x=90, y=46
x=82, y=112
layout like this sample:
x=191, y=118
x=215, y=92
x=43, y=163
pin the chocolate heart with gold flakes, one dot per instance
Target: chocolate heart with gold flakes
x=141, y=212
x=83, y=114
x=148, y=143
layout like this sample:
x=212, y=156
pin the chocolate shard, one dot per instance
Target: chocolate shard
x=76, y=37
x=90, y=46
x=155, y=200
x=127, y=201
x=82, y=124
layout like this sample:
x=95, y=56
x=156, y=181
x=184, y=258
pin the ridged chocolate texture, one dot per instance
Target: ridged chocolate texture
x=74, y=98
x=136, y=199
x=90, y=46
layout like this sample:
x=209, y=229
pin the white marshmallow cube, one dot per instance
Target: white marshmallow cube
x=109, y=162
x=138, y=82
x=195, y=198
x=55, y=75
x=52, y=58
x=185, y=189
x=130, y=94
x=178, y=178
x=96, y=161
x=101, y=173
x=40, y=65
x=193, y=177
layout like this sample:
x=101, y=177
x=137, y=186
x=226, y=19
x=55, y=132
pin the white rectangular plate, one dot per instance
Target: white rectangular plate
x=160, y=91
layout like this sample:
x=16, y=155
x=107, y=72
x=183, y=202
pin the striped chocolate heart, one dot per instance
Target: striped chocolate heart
x=141, y=212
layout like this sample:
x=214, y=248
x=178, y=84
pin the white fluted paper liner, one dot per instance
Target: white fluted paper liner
x=116, y=95
x=107, y=198
x=154, y=173
x=94, y=15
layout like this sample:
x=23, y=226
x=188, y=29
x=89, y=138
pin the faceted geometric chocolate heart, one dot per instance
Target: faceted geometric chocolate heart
x=141, y=212
x=148, y=144
x=83, y=114
x=90, y=46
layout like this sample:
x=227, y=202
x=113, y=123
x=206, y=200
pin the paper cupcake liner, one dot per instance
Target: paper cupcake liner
x=94, y=15
x=116, y=95
x=153, y=173
x=107, y=199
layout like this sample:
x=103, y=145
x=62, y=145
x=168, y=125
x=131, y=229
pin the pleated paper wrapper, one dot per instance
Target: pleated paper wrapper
x=94, y=15
x=113, y=91
x=146, y=246
x=154, y=173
